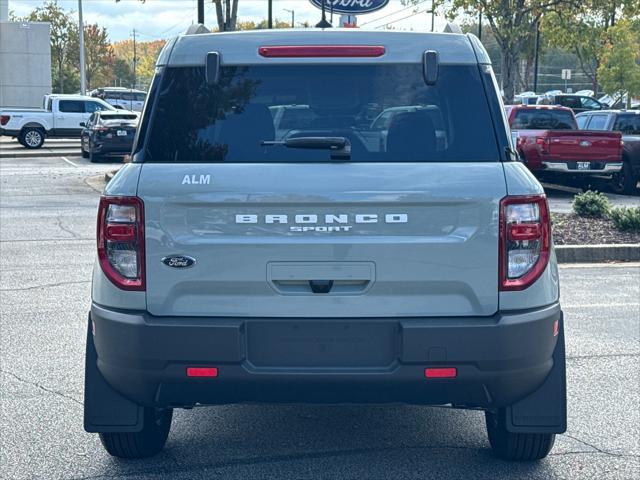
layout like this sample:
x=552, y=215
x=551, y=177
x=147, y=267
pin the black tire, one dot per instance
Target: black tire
x=624, y=182
x=93, y=157
x=146, y=443
x=84, y=153
x=31, y=137
x=516, y=446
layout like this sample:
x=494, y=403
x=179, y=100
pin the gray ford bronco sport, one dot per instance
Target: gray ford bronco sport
x=380, y=244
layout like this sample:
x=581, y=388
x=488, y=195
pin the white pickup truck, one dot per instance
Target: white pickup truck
x=61, y=116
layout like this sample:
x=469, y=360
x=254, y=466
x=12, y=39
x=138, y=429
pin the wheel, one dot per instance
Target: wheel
x=146, y=443
x=31, y=137
x=516, y=446
x=624, y=181
x=85, y=154
x=93, y=157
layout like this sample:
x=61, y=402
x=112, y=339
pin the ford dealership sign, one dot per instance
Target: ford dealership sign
x=352, y=7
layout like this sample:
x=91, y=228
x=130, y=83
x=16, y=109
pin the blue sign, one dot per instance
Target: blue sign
x=351, y=7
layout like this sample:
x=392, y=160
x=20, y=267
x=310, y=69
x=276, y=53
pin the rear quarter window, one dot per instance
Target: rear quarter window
x=228, y=122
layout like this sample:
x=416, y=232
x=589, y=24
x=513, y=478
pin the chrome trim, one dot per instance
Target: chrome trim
x=563, y=167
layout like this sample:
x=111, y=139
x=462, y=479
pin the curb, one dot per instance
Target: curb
x=40, y=154
x=598, y=253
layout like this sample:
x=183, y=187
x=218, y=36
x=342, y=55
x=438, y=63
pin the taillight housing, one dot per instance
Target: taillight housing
x=543, y=144
x=525, y=240
x=121, y=241
x=4, y=119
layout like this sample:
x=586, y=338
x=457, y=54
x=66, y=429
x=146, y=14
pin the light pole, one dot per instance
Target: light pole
x=201, y=11
x=83, y=79
x=293, y=16
x=270, y=15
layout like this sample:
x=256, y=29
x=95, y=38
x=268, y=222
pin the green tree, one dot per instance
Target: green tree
x=122, y=73
x=582, y=29
x=619, y=71
x=513, y=23
x=98, y=56
x=63, y=30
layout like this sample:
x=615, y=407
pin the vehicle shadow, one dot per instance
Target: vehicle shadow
x=397, y=441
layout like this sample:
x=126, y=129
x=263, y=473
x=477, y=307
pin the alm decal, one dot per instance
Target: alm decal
x=196, y=180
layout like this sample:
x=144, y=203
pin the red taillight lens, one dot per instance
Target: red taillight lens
x=525, y=240
x=121, y=241
x=543, y=143
x=4, y=119
x=210, y=372
x=297, y=51
x=442, y=372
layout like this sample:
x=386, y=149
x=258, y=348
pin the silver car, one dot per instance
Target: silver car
x=237, y=265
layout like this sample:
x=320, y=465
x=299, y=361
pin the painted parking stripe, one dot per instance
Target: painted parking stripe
x=69, y=161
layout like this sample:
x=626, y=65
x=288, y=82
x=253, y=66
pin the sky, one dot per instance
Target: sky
x=156, y=19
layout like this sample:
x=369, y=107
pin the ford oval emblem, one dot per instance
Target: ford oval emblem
x=179, y=261
x=585, y=143
x=351, y=7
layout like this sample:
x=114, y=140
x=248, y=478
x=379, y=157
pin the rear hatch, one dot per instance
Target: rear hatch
x=584, y=145
x=404, y=226
x=119, y=128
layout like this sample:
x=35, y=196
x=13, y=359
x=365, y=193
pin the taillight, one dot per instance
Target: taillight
x=525, y=240
x=4, y=119
x=543, y=143
x=121, y=241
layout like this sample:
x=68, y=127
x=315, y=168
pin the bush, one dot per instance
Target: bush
x=591, y=204
x=626, y=218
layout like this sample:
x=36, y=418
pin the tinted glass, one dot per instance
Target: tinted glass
x=228, y=122
x=121, y=116
x=128, y=96
x=589, y=103
x=598, y=122
x=94, y=107
x=582, y=121
x=627, y=124
x=139, y=97
x=571, y=102
x=543, y=120
x=71, y=106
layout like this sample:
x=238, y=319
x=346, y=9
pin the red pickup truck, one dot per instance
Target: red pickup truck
x=547, y=139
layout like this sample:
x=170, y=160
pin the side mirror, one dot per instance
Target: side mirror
x=430, y=67
x=83, y=124
x=213, y=68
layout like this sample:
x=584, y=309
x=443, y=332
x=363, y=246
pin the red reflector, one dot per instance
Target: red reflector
x=448, y=372
x=120, y=233
x=524, y=231
x=202, y=372
x=4, y=119
x=556, y=328
x=295, y=51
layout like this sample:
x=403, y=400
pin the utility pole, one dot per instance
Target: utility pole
x=83, y=78
x=536, y=55
x=201, y=11
x=433, y=15
x=480, y=25
x=135, y=59
x=293, y=16
x=270, y=25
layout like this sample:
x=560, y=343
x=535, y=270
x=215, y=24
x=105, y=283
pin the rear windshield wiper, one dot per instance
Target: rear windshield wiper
x=340, y=146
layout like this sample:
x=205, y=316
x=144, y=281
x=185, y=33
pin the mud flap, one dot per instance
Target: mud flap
x=105, y=410
x=545, y=410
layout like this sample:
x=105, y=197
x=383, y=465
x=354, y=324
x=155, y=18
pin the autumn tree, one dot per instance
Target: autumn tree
x=98, y=55
x=619, y=71
x=582, y=29
x=64, y=31
x=146, y=54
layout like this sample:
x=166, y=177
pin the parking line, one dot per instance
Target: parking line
x=69, y=161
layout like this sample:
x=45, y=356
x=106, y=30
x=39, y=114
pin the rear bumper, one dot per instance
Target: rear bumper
x=115, y=148
x=572, y=167
x=499, y=359
x=8, y=133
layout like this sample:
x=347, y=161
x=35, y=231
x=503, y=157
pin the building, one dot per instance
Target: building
x=25, y=61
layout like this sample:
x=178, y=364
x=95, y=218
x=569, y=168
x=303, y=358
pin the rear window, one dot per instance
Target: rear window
x=230, y=121
x=543, y=119
x=627, y=124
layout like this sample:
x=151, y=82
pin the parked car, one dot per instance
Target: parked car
x=61, y=116
x=626, y=122
x=236, y=267
x=108, y=133
x=122, y=98
x=552, y=147
x=577, y=103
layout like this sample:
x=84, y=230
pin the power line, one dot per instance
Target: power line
x=393, y=13
x=403, y=18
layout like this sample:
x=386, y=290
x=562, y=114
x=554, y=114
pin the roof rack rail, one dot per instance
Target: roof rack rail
x=196, y=29
x=452, y=27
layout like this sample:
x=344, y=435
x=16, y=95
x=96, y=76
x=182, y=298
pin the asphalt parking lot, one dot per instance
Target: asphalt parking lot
x=47, y=223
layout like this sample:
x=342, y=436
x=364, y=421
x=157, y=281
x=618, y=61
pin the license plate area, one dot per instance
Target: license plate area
x=322, y=344
x=122, y=133
x=584, y=165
